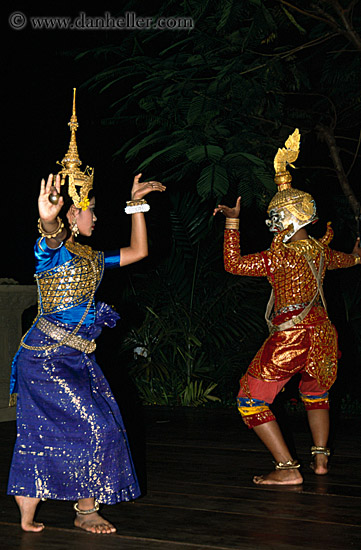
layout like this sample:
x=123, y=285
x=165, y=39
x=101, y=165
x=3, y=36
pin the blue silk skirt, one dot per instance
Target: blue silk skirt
x=71, y=441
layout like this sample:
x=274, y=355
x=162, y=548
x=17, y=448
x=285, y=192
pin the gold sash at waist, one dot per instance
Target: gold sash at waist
x=59, y=333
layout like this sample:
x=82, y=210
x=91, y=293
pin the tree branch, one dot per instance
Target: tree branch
x=326, y=134
x=347, y=31
x=310, y=44
x=356, y=155
x=303, y=12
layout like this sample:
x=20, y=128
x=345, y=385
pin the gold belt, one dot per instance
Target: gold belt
x=59, y=334
x=292, y=307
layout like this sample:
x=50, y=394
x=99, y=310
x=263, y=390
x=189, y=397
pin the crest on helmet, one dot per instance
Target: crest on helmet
x=289, y=206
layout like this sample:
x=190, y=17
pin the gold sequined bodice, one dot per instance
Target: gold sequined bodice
x=71, y=283
x=285, y=265
x=290, y=276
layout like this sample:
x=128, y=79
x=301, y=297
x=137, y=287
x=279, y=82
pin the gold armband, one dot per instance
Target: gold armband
x=52, y=235
x=232, y=223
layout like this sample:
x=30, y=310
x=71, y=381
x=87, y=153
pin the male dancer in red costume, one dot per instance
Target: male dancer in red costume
x=302, y=338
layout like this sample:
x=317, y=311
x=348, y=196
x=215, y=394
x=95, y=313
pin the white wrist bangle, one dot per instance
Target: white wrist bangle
x=136, y=206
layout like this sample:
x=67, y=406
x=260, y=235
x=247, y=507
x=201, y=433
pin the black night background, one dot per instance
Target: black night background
x=198, y=94
x=41, y=68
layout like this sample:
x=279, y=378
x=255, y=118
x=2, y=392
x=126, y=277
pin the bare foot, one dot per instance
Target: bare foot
x=94, y=523
x=27, y=507
x=320, y=464
x=280, y=477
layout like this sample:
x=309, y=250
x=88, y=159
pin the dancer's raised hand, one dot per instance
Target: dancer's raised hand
x=47, y=210
x=141, y=189
x=227, y=211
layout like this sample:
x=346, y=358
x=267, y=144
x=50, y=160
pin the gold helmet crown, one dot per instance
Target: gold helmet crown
x=298, y=202
x=70, y=167
x=290, y=208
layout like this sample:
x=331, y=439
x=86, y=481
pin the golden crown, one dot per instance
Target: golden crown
x=70, y=167
x=288, y=197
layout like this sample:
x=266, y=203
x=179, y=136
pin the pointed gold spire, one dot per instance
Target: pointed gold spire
x=71, y=159
x=298, y=203
x=70, y=167
x=284, y=158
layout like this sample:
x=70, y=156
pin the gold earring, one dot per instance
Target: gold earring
x=74, y=228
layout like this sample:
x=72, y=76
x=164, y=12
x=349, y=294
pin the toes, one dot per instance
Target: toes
x=33, y=527
x=258, y=480
x=96, y=525
x=275, y=478
x=105, y=529
x=102, y=529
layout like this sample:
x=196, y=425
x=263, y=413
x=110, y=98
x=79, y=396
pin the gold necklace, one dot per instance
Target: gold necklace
x=309, y=248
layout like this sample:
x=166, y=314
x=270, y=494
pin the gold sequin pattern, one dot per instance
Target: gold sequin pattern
x=256, y=419
x=252, y=264
x=312, y=347
x=71, y=283
x=312, y=344
x=285, y=266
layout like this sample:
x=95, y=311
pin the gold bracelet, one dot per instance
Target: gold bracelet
x=357, y=259
x=232, y=223
x=52, y=235
x=136, y=202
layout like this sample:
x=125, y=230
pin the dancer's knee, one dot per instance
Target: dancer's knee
x=311, y=402
x=254, y=411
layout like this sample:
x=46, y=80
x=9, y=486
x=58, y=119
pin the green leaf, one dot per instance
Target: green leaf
x=194, y=394
x=243, y=158
x=213, y=181
x=293, y=21
x=171, y=152
x=205, y=152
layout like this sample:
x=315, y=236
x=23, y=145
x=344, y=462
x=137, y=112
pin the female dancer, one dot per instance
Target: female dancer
x=71, y=441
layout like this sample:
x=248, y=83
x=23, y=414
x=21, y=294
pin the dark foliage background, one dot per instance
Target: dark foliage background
x=204, y=111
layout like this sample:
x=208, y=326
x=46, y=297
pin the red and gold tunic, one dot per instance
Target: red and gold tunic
x=310, y=345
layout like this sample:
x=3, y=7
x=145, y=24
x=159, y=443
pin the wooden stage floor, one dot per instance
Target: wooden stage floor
x=196, y=470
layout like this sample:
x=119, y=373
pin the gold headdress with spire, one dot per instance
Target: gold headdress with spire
x=289, y=207
x=70, y=167
x=299, y=203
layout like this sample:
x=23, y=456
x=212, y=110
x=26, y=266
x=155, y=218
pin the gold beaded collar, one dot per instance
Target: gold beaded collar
x=309, y=248
x=82, y=250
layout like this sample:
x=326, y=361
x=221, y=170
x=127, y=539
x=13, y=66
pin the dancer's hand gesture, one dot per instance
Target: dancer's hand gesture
x=227, y=211
x=47, y=210
x=141, y=189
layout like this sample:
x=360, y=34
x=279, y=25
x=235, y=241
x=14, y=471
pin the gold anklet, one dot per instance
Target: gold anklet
x=289, y=465
x=320, y=451
x=86, y=512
